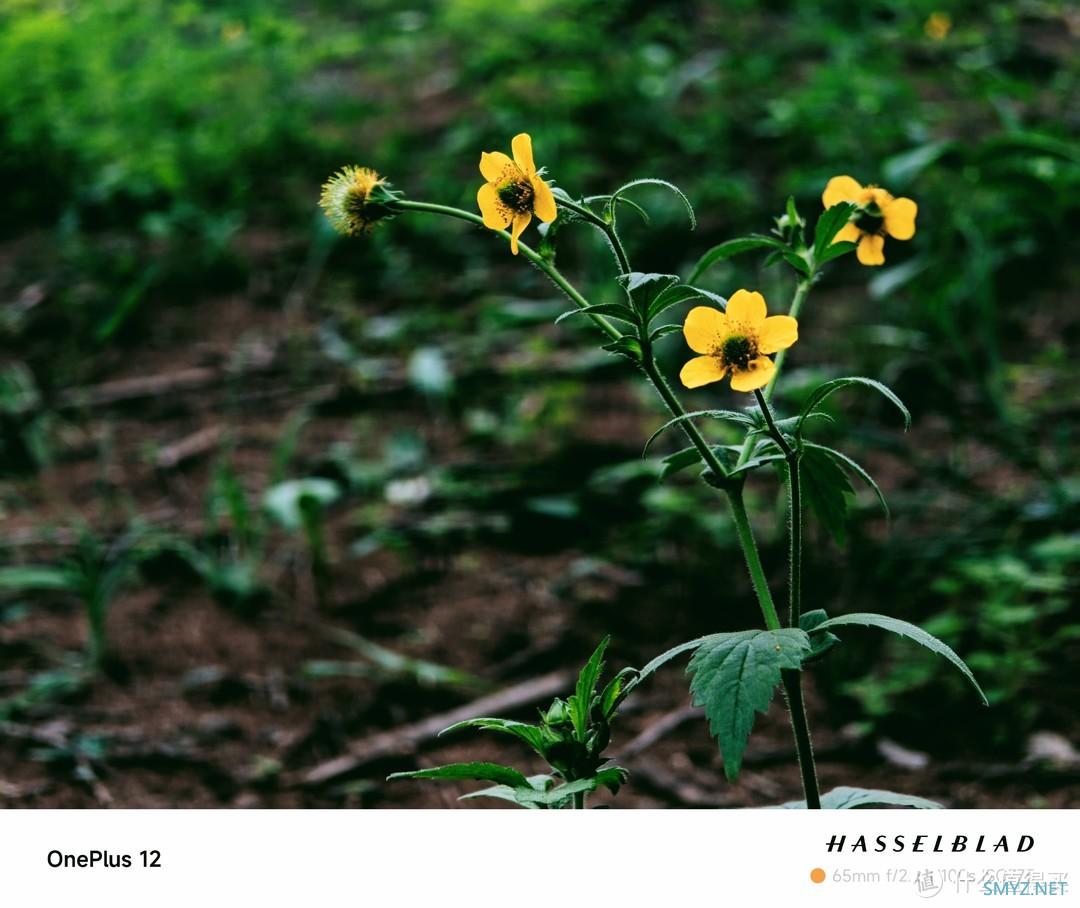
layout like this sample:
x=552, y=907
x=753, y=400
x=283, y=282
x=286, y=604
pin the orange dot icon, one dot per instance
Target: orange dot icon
x=817, y=875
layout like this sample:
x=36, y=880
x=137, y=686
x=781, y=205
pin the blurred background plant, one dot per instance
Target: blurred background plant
x=166, y=283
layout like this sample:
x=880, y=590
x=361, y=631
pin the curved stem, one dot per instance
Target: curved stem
x=531, y=254
x=609, y=231
x=801, y=292
x=753, y=561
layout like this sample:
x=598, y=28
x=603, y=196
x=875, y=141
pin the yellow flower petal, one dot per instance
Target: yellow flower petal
x=493, y=165
x=841, y=189
x=746, y=307
x=522, y=148
x=702, y=370
x=758, y=374
x=880, y=197
x=849, y=233
x=900, y=218
x=777, y=333
x=496, y=215
x=870, y=249
x=543, y=201
x=521, y=221
x=704, y=329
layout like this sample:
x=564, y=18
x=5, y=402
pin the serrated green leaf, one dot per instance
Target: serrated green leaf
x=736, y=416
x=734, y=676
x=732, y=248
x=671, y=187
x=828, y=225
x=635, y=280
x=847, y=798
x=826, y=389
x=842, y=458
x=912, y=632
x=480, y=772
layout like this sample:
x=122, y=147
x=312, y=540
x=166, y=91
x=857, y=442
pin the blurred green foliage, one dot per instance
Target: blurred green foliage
x=147, y=148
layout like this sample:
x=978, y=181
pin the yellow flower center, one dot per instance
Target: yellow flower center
x=738, y=351
x=517, y=195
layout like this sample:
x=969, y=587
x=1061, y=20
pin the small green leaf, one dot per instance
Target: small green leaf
x=603, y=198
x=663, y=331
x=481, y=772
x=680, y=460
x=530, y=734
x=616, y=691
x=581, y=702
x=797, y=260
x=671, y=187
x=734, y=676
x=736, y=416
x=855, y=468
x=618, y=311
x=826, y=389
x=828, y=226
x=668, y=297
x=31, y=578
x=626, y=345
x=820, y=643
x=912, y=632
x=834, y=251
x=732, y=248
x=847, y=798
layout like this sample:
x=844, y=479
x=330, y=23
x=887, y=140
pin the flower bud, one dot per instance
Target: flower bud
x=355, y=198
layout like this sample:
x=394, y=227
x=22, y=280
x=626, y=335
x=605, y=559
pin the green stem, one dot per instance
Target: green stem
x=531, y=254
x=579, y=800
x=804, y=749
x=800, y=726
x=801, y=292
x=753, y=561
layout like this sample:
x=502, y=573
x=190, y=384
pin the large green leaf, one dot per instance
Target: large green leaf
x=734, y=676
x=824, y=390
x=847, y=798
x=824, y=488
x=481, y=772
x=731, y=248
x=912, y=632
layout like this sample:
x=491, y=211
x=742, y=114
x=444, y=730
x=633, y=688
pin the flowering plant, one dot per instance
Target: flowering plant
x=733, y=675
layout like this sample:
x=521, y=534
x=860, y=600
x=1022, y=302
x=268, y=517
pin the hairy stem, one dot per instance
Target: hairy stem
x=804, y=749
x=753, y=561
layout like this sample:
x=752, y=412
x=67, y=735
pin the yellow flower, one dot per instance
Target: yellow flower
x=937, y=26
x=735, y=341
x=879, y=215
x=513, y=191
x=354, y=199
